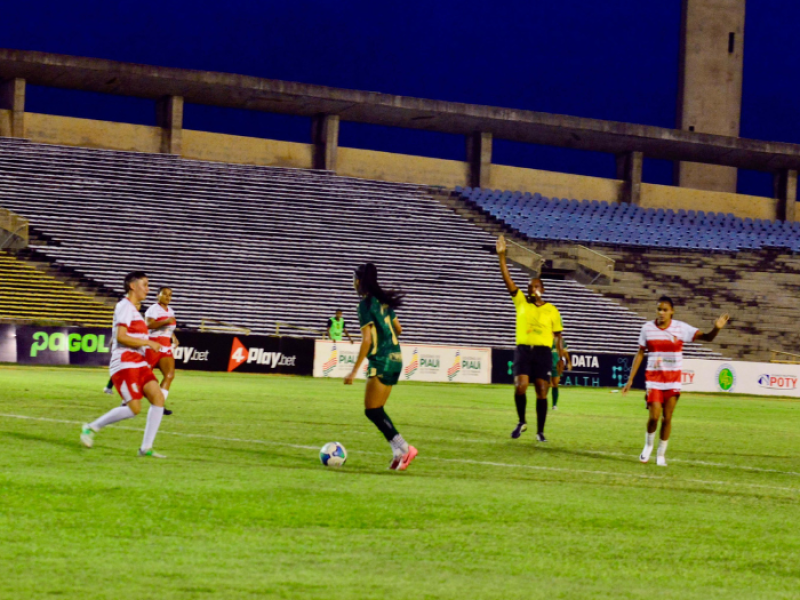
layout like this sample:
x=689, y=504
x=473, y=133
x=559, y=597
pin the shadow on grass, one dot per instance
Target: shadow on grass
x=71, y=444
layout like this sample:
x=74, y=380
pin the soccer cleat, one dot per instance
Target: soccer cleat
x=150, y=453
x=645, y=455
x=661, y=461
x=540, y=437
x=555, y=407
x=167, y=412
x=87, y=435
x=108, y=390
x=396, y=462
x=518, y=430
x=407, y=458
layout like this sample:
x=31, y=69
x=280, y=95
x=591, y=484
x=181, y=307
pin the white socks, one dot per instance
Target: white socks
x=154, y=416
x=662, y=448
x=399, y=445
x=165, y=392
x=113, y=416
x=649, y=439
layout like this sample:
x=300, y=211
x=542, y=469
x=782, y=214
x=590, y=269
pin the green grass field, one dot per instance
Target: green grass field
x=242, y=507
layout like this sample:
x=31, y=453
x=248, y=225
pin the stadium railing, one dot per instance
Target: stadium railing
x=13, y=230
x=600, y=264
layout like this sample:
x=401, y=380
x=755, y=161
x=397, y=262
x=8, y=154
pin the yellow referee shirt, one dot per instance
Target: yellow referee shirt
x=536, y=324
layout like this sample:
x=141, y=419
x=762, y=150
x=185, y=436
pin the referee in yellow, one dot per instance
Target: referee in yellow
x=538, y=326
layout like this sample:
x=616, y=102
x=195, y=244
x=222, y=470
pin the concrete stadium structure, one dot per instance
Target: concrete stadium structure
x=327, y=107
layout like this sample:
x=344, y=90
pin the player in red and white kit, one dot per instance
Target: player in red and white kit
x=663, y=341
x=131, y=375
x=160, y=319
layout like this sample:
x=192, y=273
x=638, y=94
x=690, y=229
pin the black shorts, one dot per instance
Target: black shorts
x=534, y=361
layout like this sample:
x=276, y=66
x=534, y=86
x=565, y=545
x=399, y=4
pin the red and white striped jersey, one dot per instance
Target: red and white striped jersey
x=665, y=353
x=124, y=357
x=158, y=313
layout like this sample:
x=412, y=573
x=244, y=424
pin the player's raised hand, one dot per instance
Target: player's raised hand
x=721, y=321
x=501, y=245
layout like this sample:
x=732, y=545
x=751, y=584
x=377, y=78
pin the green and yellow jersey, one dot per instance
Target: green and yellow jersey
x=380, y=317
x=536, y=325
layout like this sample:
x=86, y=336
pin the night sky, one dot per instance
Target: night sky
x=608, y=60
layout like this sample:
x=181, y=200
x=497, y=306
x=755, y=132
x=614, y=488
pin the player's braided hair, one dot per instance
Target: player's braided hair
x=367, y=276
x=131, y=277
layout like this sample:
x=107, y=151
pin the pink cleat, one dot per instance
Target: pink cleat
x=407, y=458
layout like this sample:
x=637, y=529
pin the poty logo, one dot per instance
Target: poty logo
x=456, y=368
x=687, y=377
x=330, y=364
x=726, y=378
x=240, y=354
x=778, y=382
x=412, y=366
x=73, y=342
x=188, y=353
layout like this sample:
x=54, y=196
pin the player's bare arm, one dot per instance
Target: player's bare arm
x=175, y=342
x=637, y=361
x=132, y=342
x=366, y=342
x=398, y=329
x=348, y=335
x=566, y=359
x=501, y=255
x=154, y=324
x=718, y=324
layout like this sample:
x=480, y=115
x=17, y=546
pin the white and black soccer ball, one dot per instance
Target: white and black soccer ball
x=333, y=454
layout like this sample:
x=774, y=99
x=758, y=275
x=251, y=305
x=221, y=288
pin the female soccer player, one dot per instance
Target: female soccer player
x=560, y=364
x=160, y=320
x=130, y=372
x=663, y=341
x=538, y=327
x=379, y=330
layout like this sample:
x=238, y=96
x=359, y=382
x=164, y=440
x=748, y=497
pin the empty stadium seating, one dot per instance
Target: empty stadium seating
x=254, y=245
x=628, y=225
x=29, y=295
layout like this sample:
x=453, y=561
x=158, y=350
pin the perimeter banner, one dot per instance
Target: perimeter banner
x=738, y=377
x=30, y=345
x=456, y=364
x=587, y=370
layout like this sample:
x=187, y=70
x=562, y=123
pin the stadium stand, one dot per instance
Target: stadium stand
x=257, y=245
x=618, y=224
x=30, y=295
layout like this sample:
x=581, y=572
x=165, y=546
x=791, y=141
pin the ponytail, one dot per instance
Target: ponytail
x=367, y=276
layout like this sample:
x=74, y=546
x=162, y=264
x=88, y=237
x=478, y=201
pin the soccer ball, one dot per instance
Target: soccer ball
x=333, y=454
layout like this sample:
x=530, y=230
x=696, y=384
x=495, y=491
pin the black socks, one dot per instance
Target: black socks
x=555, y=395
x=521, y=400
x=541, y=414
x=382, y=422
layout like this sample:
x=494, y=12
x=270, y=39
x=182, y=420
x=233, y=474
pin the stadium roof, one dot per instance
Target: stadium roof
x=270, y=95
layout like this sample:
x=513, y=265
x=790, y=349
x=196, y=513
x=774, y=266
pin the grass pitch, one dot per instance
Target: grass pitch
x=243, y=509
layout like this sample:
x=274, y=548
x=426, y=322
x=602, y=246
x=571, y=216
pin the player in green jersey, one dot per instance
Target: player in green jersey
x=379, y=330
x=561, y=363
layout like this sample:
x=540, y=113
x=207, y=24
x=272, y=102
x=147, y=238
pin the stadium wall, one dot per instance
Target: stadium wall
x=370, y=164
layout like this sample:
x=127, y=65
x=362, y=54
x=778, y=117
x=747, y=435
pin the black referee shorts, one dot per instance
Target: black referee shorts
x=534, y=361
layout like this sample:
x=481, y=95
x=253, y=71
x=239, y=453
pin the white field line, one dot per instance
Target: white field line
x=447, y=460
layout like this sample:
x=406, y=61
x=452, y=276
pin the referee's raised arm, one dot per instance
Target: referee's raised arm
x=501, y=254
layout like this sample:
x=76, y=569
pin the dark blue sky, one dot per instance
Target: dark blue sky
x=608, y=60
